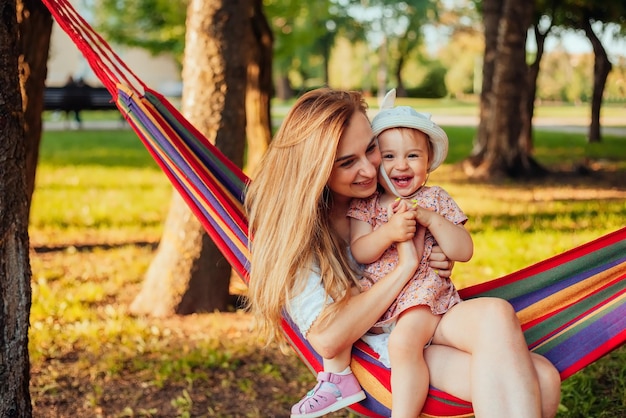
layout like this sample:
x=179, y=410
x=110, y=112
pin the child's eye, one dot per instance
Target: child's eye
x=387, y=156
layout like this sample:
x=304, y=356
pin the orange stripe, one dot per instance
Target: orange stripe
x=569, y=295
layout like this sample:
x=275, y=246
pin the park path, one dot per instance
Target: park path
x=610, y=126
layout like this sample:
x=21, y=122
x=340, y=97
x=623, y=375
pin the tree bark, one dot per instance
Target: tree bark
x=259, y=93
x=501, y=150
x=533, y=74
x=15, y=274
x=492, y=11
x=35, y=27
x=188, y=273
x=601, y=69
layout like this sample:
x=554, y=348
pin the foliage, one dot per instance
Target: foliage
x=89, y=357
x=156, y=25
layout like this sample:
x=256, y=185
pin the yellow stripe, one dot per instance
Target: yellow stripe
x=371, y=384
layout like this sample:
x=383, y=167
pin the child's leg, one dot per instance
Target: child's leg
x=409, y=373
x=336, y=388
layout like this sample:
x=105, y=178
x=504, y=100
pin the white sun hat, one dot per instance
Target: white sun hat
x=406, y=117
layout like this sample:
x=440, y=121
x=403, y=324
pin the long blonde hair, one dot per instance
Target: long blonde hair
x=288, y=206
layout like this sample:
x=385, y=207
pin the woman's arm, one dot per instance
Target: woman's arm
x=440, y=262
x=362, y=311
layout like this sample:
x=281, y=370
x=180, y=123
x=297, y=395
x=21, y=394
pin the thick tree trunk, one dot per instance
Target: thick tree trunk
x=492, y=12
x=601, y=69
x=259, y=93
x=15, y=291
x=35, y=26
x=501, y=151
x=189, y=274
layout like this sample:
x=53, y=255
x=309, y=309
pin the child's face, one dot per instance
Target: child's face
x=405, y=159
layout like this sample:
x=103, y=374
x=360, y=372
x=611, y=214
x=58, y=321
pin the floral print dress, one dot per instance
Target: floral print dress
x=426, y=287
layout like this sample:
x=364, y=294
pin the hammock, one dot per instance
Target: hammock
x=571, y=306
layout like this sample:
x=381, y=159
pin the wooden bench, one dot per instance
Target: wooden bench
x=78, y=98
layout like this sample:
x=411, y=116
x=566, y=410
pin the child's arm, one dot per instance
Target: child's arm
x=367, y=244
x=455, y=241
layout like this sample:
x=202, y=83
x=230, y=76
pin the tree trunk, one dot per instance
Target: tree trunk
x=35, y=27
x=189, y=274
x=492, y=11
x=533, y=73
x=505, y=154
x=601, y=69
x=15, y=291
x=259, y=93
x=284, y=91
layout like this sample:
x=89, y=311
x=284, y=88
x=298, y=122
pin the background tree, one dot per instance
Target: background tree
x=602, y=17
x=499, y=149
x=259, y=87
x=305, y=33
x=188, y=273
x=155, y=25
x=395, y=27
x=15, y=291
x=35, y=28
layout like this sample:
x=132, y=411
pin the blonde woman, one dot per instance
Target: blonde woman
x=323, y=155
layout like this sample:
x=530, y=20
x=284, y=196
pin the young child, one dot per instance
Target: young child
x=411, y=146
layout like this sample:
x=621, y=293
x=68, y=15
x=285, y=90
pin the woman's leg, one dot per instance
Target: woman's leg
x=450, y=372
x=503, y=379
x=409, y=372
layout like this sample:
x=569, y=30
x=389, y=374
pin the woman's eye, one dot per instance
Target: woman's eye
x=371, y=148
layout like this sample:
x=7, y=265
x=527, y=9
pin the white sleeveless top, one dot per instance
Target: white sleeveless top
x=307, y=306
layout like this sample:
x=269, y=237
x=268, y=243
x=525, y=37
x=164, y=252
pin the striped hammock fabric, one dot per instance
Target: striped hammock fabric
x=571, y=306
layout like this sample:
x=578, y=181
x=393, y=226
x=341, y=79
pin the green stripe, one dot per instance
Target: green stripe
x=558, y=320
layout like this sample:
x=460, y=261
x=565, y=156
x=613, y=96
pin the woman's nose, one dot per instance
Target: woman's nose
x=368, y=169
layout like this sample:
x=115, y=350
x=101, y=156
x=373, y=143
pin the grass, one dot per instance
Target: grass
x=97, y=216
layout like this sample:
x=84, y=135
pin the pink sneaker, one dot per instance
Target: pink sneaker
x=332, y=392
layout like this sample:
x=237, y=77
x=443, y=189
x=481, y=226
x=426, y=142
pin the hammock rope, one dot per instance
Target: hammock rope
x=571, y=306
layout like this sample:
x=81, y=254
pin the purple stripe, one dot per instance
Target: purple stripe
x=585, y=340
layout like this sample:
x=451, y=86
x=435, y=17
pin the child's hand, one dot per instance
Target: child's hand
x=402, y=223
x=424, y=216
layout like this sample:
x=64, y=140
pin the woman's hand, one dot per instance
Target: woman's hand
x=440, y=262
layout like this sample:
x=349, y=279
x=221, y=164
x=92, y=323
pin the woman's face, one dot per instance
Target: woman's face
x=356, y=164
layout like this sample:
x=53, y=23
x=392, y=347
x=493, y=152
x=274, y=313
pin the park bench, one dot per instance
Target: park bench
x=78, y=98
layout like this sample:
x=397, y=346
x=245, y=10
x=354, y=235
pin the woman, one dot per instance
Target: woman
x=324, y=155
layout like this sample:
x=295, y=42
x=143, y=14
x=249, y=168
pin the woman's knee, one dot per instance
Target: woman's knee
x=499, y=315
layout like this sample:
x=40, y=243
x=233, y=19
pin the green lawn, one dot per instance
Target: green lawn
x=97, y=215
